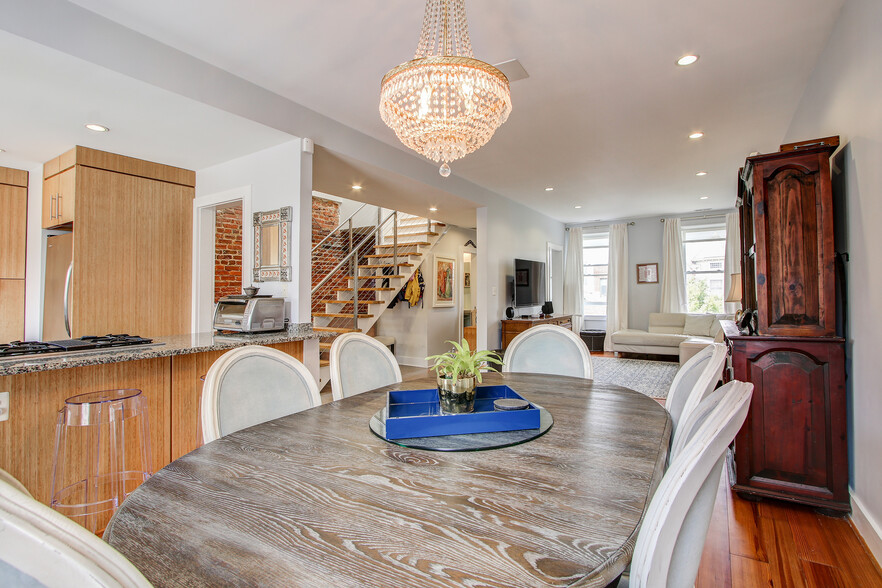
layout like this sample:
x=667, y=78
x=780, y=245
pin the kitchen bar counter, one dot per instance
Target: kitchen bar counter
x=169, y=376
x=161, y=347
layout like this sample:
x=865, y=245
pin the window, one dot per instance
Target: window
x=595, y=271
x=705, y=247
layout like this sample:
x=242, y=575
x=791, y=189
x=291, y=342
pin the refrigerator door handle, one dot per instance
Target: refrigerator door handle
x=67, y=298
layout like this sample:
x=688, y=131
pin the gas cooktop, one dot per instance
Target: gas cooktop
x=83, y=343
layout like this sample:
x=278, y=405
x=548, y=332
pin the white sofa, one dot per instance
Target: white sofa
x=672, y=333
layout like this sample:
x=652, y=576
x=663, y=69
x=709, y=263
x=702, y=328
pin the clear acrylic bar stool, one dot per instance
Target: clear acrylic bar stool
x=102, y=453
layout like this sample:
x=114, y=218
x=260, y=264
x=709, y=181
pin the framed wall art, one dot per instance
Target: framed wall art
x=443, y=293
x=647, y=273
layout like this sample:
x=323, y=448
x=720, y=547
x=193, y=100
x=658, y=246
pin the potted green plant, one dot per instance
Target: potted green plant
x=459, y=372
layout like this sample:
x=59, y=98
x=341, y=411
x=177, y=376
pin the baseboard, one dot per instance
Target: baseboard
x=868, y=528
x=412, y=361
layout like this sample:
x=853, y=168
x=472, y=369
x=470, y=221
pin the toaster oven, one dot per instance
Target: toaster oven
x=249, y=314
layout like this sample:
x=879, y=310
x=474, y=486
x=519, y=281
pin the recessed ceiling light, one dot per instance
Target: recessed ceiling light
x=703, y=197
x=578, y=206
x=687, y=60
x=97, y=128
x=356, y=187
x=701, y=173
x=696, y=135
x=549, y=189
x=433, y=209
x=2, y=150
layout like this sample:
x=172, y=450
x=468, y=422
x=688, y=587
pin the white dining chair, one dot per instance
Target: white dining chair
x=549, y=349
x=360, y=363
x=674, y=528
x=40, y=547
x=12, y=481
x=694, y=381
x=251, y=385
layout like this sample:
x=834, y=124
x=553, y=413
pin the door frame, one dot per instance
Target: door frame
x=203, y=250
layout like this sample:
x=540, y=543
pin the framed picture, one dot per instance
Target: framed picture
x=647, y=273
x=442, y=295
x=467, y=280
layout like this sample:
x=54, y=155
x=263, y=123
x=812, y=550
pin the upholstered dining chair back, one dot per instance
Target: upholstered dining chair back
x=672, y=535
x=360, y=363
x=12, y=481
x=251, y=385
x=41, y=547
x=549, y=349
x=694, y=380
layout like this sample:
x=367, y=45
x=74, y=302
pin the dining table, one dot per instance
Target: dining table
x=317, y=498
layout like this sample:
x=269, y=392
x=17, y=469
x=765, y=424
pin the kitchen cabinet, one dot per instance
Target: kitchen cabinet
x=59, y=194
x=132, y=242
x=13, y=241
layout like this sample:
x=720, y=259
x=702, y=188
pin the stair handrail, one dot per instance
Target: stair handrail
x=338, y=227
x=354, y=250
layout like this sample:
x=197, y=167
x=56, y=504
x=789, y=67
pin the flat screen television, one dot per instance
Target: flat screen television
x=529, y=283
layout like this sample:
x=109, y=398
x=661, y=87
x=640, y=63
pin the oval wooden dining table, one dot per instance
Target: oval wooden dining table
x=316, y=499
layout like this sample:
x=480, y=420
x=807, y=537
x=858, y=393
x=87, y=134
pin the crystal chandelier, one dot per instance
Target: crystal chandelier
x=444, y=103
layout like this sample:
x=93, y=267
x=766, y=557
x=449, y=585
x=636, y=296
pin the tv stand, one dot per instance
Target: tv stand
x=512, y=327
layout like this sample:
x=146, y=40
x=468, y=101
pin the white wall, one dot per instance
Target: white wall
x=844, y=97
x=274, y=176
x=506, y=231
x=423, y=330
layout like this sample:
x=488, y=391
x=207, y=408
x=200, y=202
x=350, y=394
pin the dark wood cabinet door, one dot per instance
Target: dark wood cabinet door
x=793, y=218
x=793, y=443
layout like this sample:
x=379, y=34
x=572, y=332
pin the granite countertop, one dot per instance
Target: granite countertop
x=161, y=347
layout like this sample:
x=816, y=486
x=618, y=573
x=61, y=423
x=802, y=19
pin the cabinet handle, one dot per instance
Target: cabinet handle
x=51, y=204
x=58, y=207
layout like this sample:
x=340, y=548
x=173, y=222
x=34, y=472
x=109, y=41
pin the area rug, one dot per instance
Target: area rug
x=652, y=378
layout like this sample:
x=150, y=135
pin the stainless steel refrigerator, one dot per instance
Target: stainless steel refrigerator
x=57, y=287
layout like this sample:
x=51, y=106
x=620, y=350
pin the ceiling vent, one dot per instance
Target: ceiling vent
x=513, y=70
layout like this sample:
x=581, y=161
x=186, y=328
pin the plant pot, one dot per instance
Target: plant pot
x=456, y=396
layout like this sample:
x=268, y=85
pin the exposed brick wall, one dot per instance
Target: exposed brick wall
x=228, y=252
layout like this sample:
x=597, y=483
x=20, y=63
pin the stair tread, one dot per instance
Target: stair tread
x=324, y=362
x=393, y=255
x=350, y=302
x=404, y=244
x=414, y=234
x=335, y=330
x=374, y=277
x=379, y=266
x=340, y=315
x=325, y=346
x=364, y=289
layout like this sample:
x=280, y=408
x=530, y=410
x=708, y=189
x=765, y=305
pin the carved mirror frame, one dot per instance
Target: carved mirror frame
x=282, y=271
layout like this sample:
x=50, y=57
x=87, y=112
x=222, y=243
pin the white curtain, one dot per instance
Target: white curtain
x=732, y=262
x=617, y=283
x=572, y=290
x=673, y=286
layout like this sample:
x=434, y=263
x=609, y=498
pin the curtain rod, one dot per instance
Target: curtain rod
x=682, y=218
x=591, y=226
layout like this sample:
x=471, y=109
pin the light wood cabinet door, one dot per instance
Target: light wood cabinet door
x=13, y=230
x=59, y=196
x=12, y=317
x=132, y=255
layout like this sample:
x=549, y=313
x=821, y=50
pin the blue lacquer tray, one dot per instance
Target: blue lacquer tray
x=417, y=413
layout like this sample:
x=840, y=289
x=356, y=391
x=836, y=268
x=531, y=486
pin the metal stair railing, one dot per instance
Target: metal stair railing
x=350, y=261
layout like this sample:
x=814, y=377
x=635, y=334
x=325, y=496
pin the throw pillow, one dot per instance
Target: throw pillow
x=698, y=324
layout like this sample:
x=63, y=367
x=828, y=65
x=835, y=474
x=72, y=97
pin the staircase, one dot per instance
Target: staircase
x=359, y=270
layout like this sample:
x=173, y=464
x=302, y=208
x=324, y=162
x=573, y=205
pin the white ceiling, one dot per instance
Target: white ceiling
x=603, y=117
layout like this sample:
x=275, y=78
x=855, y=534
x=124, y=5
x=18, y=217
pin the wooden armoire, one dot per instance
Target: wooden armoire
x=793, y=444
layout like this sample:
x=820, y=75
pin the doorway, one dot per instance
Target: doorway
x=555, y=275
x=221, y=251
x=468, y=306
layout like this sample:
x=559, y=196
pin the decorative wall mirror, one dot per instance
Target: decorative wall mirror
x=272, y=245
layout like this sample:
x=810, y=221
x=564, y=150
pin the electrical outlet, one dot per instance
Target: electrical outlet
x=4, y=406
